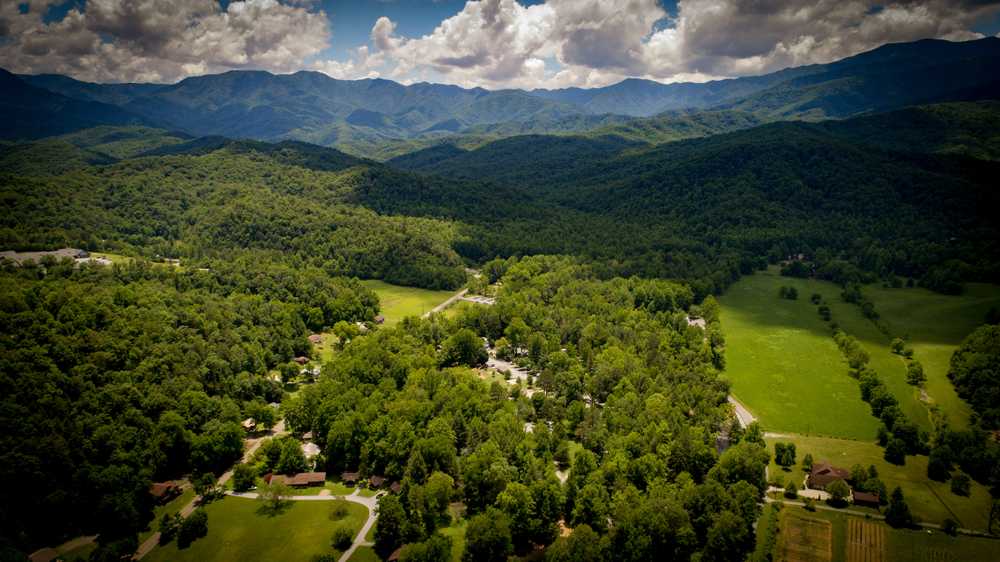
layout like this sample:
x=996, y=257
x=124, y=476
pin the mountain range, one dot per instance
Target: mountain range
x=355, y=114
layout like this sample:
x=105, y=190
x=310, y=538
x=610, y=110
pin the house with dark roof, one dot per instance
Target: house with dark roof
x=163, y=492
x=395, y=487
x=300, y=480
x=376, y=482
x=350, y=477
x=864, y=499
x=823, y=474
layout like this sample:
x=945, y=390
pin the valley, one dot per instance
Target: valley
x=255, y=315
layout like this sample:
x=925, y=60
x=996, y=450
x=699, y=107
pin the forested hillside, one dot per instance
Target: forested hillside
x=116, y=377
x=360, y=115
x=893, y=193
x=214, y=200
x=647, y=481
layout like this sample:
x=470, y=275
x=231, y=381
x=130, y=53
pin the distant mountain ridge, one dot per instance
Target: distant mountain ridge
x=313, y=107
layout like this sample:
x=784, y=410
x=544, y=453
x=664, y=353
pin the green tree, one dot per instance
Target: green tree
x=437, y=548
x=343, y=537
x=274, y=496
x=192, y=528
x=244, y=477
x=898, y=345
x=807, y=462
x=463, y=348
x=728, y=539
x=915, y=373
x=390, y=528
x=517, y=503
x=345, y=332
x=895, y=451
x=898, y=514
x=791, y=490
x=839, y=492
x=583, y=545
x=292, y=459
x=488, y=537
x=960, y=485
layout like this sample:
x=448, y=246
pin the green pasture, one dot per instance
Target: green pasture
x=238, y=529
x=929, y=501
x=935, y=325
x=783, y=363
x=398, y=302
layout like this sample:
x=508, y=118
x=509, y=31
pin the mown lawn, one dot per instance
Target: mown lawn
x=456, y=531
x=901, y=545
x=398, y=302
x=783, y=363
x=930, y=501
x=935, y=325
x=239, y=530
x=364, y=554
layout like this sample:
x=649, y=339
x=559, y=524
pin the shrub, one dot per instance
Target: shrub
x=192, y=528
x=960, y=485
x=839, y=491
x=338, y=510
x=343, y=537
x=791, y=492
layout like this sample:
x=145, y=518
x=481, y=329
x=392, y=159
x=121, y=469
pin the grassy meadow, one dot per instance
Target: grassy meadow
x=935, y=326
x=398, y=302
x=239, y=530
x=929, y=501
x=783, y=363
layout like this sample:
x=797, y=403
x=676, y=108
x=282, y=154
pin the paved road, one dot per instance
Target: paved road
x=250, y=446
x=743, y=415
x=446, y=303
x=371, y=503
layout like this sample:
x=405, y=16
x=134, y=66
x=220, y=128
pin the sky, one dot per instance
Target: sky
x=486, y=43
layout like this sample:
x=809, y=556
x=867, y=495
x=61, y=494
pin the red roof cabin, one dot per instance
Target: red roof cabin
x=823, y=474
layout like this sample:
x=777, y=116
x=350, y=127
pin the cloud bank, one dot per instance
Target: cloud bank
x=490, y=43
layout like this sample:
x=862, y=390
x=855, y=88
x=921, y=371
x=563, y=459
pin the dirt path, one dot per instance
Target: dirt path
x=250, y=447
x=446, y=303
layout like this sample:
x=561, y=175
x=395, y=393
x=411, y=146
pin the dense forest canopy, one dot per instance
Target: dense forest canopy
x=116, y=376
x=624, y=375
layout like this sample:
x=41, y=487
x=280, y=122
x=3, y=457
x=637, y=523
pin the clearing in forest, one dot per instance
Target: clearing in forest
x=935, y=326
x=865, y=541
x=805, y=539
x=783, y=363
x=928, y=500
x=238, y=529
x=398, y=302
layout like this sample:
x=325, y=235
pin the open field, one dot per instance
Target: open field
x=238, y=530
x=364, y=554
x=805, y=539
x=856, y=539
x=929, y=501
x=399, y=302
x=326, y=349
x=865, y=540
x=935, y=325
x=783, y=363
